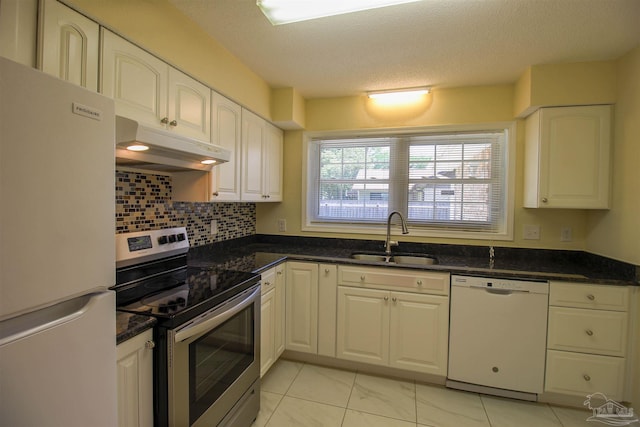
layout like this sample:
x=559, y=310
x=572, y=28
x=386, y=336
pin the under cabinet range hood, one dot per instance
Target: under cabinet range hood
x=164, y=151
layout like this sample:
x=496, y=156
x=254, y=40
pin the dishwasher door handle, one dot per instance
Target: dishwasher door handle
x=500, y=291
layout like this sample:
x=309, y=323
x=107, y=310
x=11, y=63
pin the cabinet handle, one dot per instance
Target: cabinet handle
x=589, y=332
x=173, y=123
x=149, y=344
x=362, y=278
x=326, y=271
x=164, y=120
x=216, y=194
x=386, y=298
x=419, y=282
x=586, y=377
x=267, y=283
x=591, y=297
x=279, y=273
x=545, y=200
x=394, y=299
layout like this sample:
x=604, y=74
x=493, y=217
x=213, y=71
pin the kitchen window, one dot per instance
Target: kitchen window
x=448, y=182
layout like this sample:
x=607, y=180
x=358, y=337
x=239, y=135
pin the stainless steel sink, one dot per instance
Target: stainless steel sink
x=369, y=257
x=414, y=259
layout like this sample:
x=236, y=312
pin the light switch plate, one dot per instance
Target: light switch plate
x=531, y=232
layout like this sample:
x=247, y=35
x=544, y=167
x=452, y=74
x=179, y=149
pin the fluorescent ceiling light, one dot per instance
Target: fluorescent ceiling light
x=287, y=11
x=399, y=95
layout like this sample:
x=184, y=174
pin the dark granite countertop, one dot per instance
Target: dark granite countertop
x=260, y=252
x=129, y=325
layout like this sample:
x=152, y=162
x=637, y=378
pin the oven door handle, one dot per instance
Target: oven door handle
x=205, y=323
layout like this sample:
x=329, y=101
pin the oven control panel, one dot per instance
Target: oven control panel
x=141, y=246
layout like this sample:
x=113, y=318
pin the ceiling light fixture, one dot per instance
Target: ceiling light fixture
x=288, y=11
x=399, y=95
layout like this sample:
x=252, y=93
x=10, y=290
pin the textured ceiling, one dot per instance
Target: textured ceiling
x=442, y=43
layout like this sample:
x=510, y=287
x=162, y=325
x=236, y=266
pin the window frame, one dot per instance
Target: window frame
x=309, y=166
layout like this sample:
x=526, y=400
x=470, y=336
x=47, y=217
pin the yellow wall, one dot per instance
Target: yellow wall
x=443, y=107
x=160, y=28
x=616, y=233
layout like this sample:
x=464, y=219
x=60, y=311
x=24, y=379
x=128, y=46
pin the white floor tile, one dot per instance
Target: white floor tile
x=268, y=403
x=292, y=412
x=443, y=407
x=509, y=413
x=362, y=419
x=280, y=376
x=383, y=396
x=324, y=385
x=573, y=417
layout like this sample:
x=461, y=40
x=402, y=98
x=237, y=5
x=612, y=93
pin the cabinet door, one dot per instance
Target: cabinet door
x=419, y=332
x=267, y=325
x=135, y=381
x=327, y=316
x=569, y=149
x=68, y=45
x=226, y=127
x=253, y=137
x=302, y=307
x=135, y=79
x=273, y=163
x=189, y=106
x=363, y=325
x=280, y=302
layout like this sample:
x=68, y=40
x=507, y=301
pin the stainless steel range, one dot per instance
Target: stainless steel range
x=206, y=359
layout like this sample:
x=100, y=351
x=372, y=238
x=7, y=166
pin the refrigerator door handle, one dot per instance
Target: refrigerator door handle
x=32, y=323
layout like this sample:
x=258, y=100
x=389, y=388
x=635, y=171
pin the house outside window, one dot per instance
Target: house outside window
x=453, y=182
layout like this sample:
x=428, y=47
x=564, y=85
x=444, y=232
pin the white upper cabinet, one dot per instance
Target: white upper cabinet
x=150, y=91
x=68, y=45
x=226, y=131
x=262, y=150
x=567, y=157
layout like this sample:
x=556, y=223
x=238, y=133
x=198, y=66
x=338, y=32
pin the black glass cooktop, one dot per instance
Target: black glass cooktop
x=180, y=295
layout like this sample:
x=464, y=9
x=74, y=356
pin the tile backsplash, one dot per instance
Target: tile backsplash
x=143, y=202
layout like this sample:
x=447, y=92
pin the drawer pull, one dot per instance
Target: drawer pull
x=362, y=278
x=419, y=282
x=589, y=332
x=149, y=344
x=279, y=273
x=386, y=298
x=586, y=377
x=394, y=299
x=267, y=283
x=591, y=297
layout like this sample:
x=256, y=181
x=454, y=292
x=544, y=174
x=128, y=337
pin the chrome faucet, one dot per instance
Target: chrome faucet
x=388, y=243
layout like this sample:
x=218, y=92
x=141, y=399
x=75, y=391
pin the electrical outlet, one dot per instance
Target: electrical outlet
x=214, y=227
x=531, y=232
x=565, y=234
x=282, y=225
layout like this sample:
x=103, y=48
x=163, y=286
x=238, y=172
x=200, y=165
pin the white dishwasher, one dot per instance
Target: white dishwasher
x=497, y=336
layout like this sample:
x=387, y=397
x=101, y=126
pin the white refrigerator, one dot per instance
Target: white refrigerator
x=57, y=316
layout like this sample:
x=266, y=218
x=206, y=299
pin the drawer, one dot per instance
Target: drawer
x=587, y=331
x=394, y=279
x=583, y=374
x=268, y=281
x=598, y=297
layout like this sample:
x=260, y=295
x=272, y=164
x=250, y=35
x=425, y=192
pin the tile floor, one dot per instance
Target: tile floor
x=303, y=395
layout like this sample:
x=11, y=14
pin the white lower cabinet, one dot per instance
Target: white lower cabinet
x=587, y=339
x=406, y=330
x=135, y=381
x=302, y=307
x=271, y=317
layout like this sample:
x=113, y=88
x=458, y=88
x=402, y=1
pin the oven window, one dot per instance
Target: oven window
x=217, y=359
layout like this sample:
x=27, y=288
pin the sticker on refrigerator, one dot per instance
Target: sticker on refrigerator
x=83, y=110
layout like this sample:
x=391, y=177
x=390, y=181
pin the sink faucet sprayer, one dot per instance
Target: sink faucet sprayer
x=388, y=243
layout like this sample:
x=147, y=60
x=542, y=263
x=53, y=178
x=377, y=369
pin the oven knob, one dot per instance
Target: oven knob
x=180, y=237
x=180, y=300
x=172, y=238
x=162, y=240
x=163, y=309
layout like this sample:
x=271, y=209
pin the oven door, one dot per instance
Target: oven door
x=214, y=360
